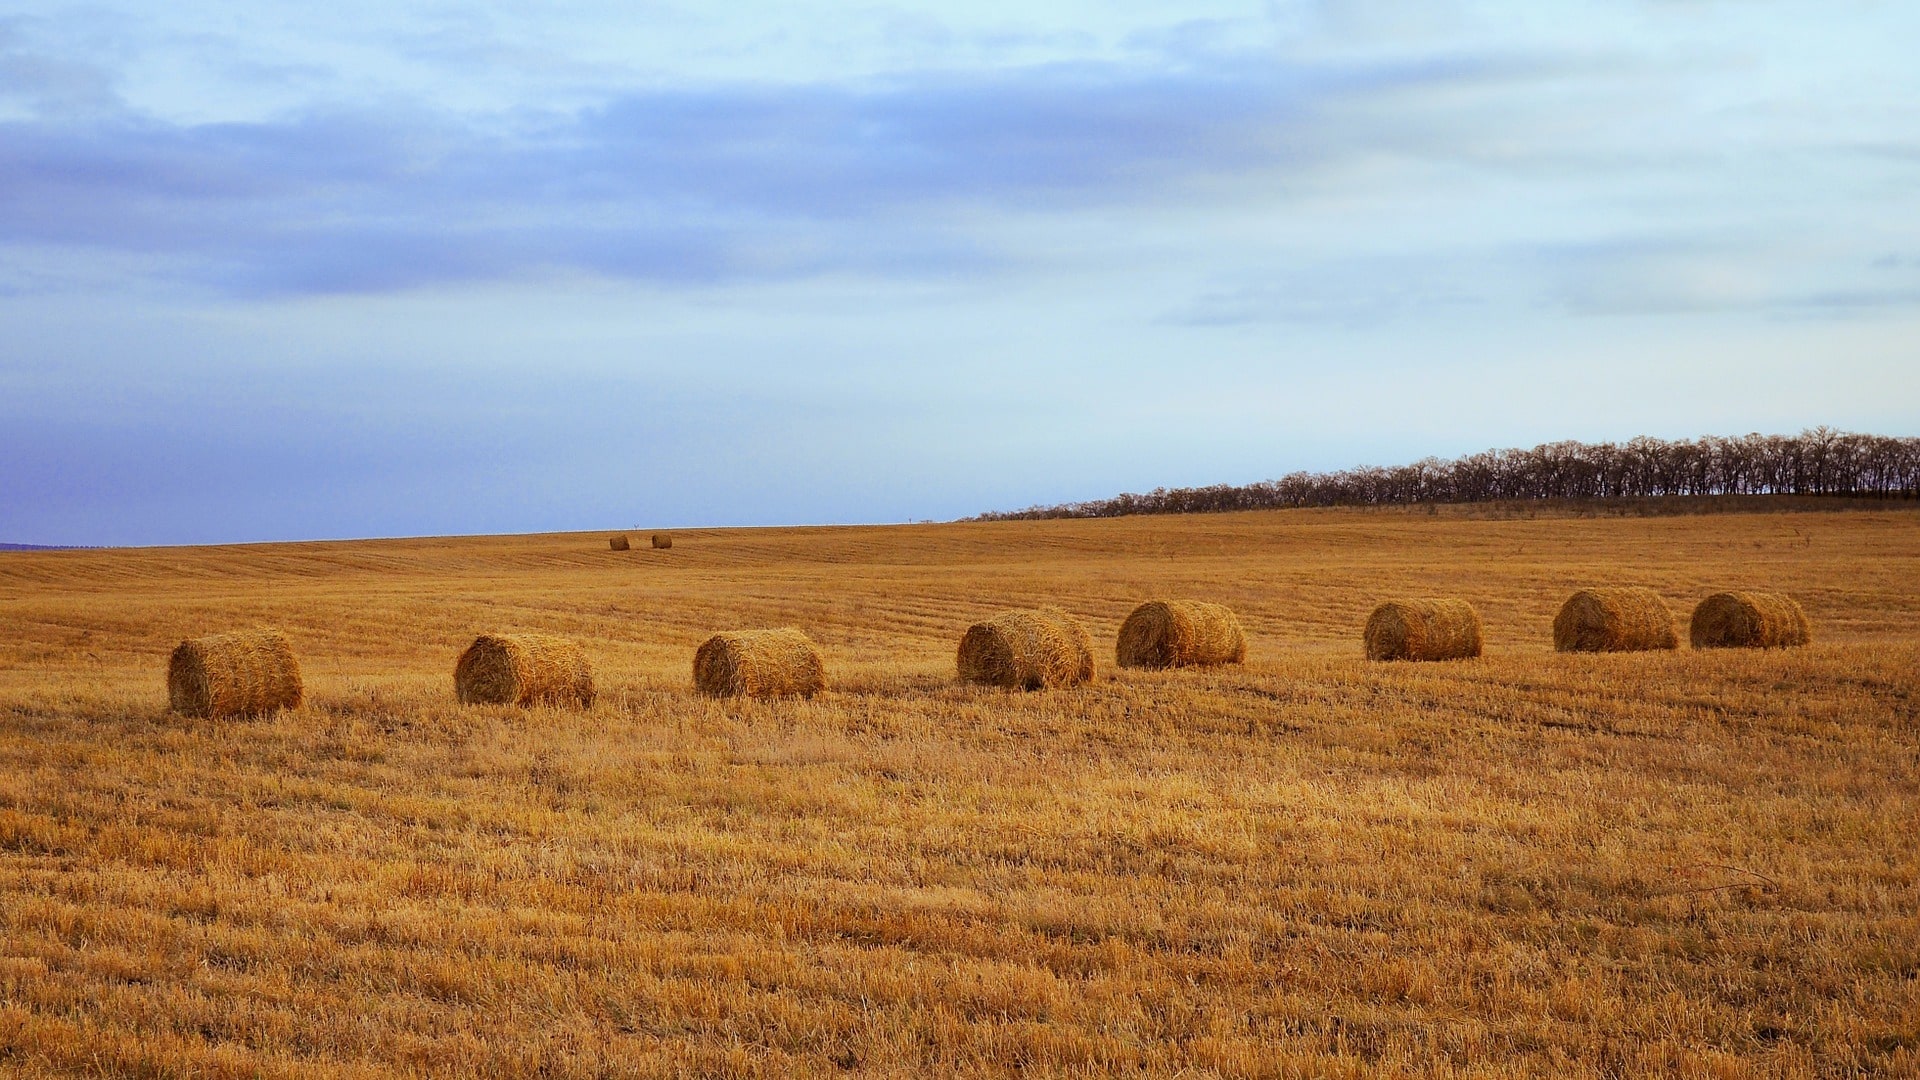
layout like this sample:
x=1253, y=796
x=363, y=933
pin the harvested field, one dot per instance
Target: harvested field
x=1582, y=865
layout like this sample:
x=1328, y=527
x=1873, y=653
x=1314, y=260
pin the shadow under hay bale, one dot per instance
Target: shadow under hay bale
x=619, y=543
x=1029, y=650
x=759, y=663
x=662, y=541
x=1625, y=619
x=1180, y=633
x=1435, y=629
x=244, y=673
x=1749, y=620
x=523, y=669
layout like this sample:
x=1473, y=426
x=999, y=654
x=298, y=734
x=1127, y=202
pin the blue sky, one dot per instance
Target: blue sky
x=371, y=269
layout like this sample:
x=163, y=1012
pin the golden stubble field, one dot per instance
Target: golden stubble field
x=1690, y=863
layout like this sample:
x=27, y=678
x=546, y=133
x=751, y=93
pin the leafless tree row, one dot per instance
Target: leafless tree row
x=1816, y=462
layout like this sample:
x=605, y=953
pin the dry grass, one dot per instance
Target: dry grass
x=1582, y=865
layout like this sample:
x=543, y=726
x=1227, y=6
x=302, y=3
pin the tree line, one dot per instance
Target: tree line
x=1820, y=461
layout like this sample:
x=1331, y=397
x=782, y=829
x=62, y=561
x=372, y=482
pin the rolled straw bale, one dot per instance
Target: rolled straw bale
x=236, y=674
x=1436, y=629
x=1030, y=650
x=1626, y=619
x=1749, y=620
x=523, y=669
x=759, y=663
x=662, y=540
x=619, y=543
x=1180, y=633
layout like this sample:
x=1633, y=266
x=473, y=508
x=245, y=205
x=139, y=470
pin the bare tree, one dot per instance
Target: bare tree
x=1820, y=461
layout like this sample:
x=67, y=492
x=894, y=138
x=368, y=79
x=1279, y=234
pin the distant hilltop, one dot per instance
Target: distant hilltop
x=1817, y=462
x=32, y=547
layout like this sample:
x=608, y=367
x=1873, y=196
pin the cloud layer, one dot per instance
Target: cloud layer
x=292, y=270
x=677, y=186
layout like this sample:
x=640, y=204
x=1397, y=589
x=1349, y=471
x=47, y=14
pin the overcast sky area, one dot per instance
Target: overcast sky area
x=363, y=269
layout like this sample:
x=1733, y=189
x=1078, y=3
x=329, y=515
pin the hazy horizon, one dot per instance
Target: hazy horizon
x=987, y=514
x=296, y=273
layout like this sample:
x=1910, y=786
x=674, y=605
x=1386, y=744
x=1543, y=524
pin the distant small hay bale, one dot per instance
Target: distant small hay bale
x=619, y=543
x=243, y=673
x=1626, y=619
x=1749, y=620
x=759, y=663
x=1436, y=629
x=523, y=669
x=662, y=540
x=1180, y=633
x=1030, y=650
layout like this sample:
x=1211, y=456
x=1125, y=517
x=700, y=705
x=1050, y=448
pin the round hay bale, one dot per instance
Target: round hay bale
x=1749, y=620
x=1436, y=629
x=523, y=669
x=1029, y=650
x=662, y=540
x=1625, y=619
x=619, y=543
x=759, y=663
x=243, y=673
x=1180, y=633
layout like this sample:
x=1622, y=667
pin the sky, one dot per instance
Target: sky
x=292, y=271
